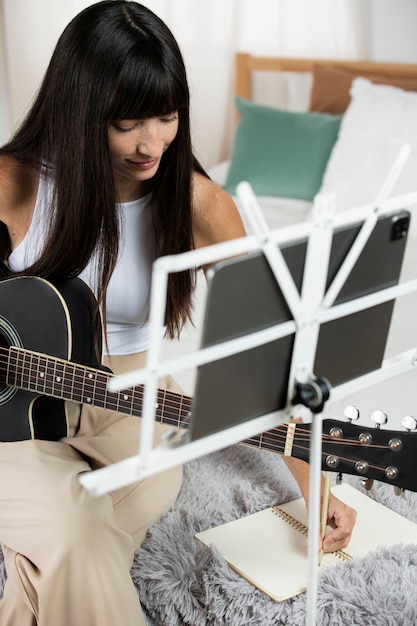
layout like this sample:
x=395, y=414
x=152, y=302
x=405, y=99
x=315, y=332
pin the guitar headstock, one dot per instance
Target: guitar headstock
x=371, y=452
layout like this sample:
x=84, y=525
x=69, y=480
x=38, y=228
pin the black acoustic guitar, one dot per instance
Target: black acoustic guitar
x=47, y=356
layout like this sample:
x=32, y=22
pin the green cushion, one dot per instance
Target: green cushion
x=281, y=153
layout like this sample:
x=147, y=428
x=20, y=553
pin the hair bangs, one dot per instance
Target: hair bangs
x=147, y=89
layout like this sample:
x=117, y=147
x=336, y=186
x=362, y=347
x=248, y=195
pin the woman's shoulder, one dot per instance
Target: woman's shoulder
x=215, y=216
x=207, y=191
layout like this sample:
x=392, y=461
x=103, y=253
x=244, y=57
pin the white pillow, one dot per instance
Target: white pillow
x=379, y=120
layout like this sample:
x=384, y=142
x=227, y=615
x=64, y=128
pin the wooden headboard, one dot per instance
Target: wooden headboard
x=247, y=63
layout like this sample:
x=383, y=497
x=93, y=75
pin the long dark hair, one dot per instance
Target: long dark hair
x=115, y=60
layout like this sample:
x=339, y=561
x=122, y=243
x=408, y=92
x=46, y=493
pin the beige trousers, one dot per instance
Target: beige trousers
x=68, y=554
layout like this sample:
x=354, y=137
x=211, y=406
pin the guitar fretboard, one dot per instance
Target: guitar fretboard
x=62, y=379
x=58, y=378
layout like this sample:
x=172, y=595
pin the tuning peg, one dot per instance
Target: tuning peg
x=398, y=491
x=379, y=418
x=409, y=422
x=351, y=413
x=367, y=483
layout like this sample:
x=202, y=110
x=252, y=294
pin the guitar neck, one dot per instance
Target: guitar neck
x=373, y=453
x=58, y=378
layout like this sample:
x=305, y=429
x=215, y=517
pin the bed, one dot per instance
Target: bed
x=179, y=581
x=319, y=138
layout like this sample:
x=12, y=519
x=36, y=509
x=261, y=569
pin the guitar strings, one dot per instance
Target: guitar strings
x=176, y=400
x=302, y=443
x=171, y=407
x=45, y=374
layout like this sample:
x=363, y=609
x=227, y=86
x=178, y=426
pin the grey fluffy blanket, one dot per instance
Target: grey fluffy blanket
x=181, y=582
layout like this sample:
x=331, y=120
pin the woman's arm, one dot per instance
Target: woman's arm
x=216, y=217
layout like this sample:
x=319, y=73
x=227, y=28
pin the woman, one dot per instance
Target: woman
x=98, y=181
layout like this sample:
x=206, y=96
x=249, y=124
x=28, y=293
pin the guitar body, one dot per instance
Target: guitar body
x=50, y=318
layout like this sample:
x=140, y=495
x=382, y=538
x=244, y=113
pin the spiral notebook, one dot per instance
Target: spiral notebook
x=269, y=548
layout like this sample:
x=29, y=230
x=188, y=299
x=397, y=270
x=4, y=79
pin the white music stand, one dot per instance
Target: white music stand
x=309, y=310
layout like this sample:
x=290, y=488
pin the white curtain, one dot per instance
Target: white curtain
x=4, y=103
x=209, y=34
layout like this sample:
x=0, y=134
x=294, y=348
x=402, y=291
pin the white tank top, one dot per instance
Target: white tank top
x=127, y=304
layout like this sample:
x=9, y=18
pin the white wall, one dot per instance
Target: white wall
x=392, y=28
x=4, y=105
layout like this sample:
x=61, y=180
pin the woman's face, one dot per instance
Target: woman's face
x=136, y=148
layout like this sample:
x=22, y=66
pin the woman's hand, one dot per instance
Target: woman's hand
x=341, y=518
